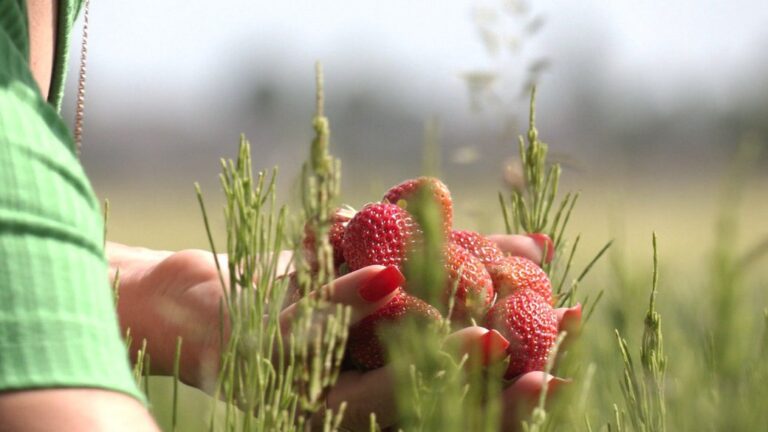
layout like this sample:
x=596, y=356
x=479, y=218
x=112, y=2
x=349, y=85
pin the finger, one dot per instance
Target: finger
x=569, y=319
x=482, y=346
x=519, y=245
x=544, y=242
x=365, y=393
x=364, y=290
x=292, y=289
x=524, y=394
x=285, y=262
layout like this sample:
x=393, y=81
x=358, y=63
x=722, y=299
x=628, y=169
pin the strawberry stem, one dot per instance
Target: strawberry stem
x=321, y=186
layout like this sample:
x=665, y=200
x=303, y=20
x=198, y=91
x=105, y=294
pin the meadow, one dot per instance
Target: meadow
x=712, y=240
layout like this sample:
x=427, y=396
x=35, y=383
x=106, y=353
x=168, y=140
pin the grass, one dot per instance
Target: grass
x=704, y=370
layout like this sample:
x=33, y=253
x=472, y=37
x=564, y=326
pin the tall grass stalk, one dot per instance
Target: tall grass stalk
x=737, y=371
x=528, y=209
x=269, y=380
x=539, y=420
x=644, y=398
x=435, y=388
x=270, y=383
x=175, y=407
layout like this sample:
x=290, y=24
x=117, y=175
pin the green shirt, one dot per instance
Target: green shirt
x=58, y=325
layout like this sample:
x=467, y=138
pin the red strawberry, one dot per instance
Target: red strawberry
x=339, y=220
x=478, y=245
x=365, y=347
x=380, y=233
x=513, y=274
x=529, y=323
x=409, y=190
x=335, y=237
x=474, y=288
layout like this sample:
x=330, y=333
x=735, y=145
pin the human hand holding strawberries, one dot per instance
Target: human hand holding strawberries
x=166, y=295
x=494, y=280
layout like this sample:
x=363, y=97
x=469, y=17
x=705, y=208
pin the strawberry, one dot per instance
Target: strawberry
x=478, y=245
x=474, y=288
x=514, y=273
x=364, y=345
x=335, y=237
x=529, y=323
x=339, y=220
x=380, y=233
x=408, y=190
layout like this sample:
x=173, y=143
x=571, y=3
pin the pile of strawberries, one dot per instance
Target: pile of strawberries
x=510, y=294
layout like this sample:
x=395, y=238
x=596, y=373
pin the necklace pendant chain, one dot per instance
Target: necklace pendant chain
x=80, y=103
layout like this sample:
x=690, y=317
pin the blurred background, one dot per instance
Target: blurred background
x=644, y=104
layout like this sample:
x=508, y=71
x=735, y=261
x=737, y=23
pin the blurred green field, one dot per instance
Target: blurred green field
x=685, y=215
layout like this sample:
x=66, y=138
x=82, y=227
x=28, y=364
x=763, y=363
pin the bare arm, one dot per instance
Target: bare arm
x=72, y=410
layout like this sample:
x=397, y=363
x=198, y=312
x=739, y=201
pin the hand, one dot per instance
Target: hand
x=166, y=295
x=163, y=296
x=373, y=391
x=537, y=247
x=186, y=283
x=522, y=395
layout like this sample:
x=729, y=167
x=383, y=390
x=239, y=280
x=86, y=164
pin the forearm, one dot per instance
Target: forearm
x=76, y=409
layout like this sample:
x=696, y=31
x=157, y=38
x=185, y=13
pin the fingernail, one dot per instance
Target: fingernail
x=381, y=284
x=555, y=384
x=569, y=319
x=494, y=347
x=545, y=244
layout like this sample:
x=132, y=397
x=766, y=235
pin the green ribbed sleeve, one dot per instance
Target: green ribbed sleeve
x=58, y=325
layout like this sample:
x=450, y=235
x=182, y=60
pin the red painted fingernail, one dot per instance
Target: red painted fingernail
x=494, y=347
x=381, y=284
x=570, y=320
x=545, y=244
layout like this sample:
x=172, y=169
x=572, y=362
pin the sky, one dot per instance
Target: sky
x=174, y=45
x=195, y=66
